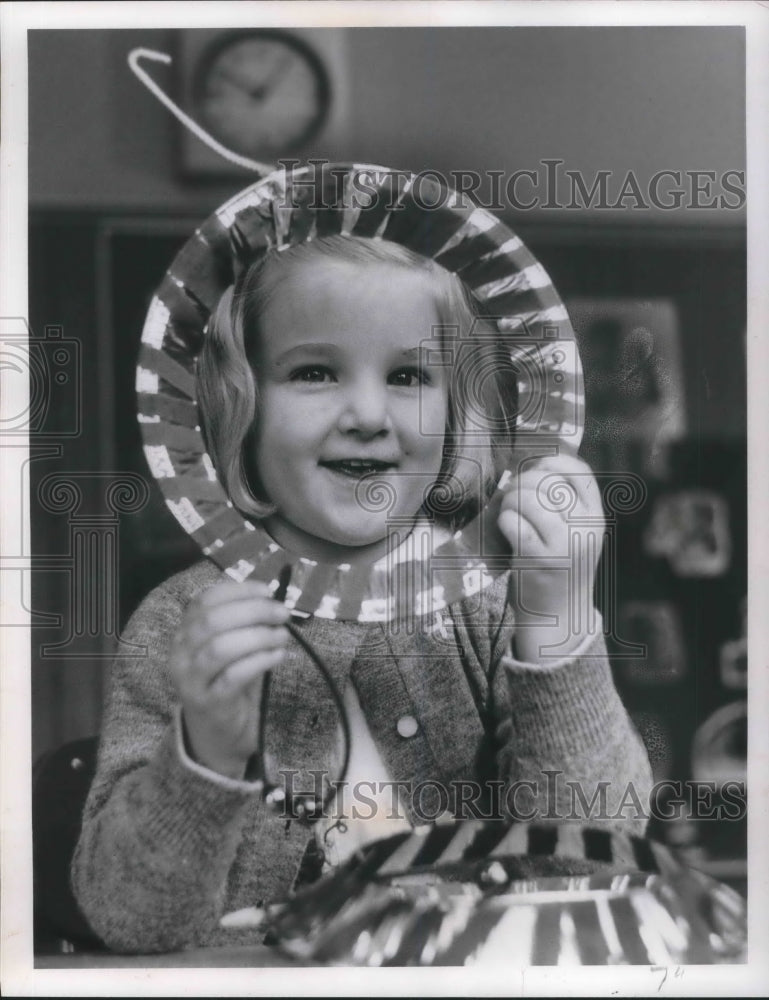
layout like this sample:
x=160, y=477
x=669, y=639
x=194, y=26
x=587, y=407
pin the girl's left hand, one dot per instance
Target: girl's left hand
x=535, y=531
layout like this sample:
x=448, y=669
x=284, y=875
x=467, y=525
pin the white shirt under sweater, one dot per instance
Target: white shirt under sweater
x=365, y=808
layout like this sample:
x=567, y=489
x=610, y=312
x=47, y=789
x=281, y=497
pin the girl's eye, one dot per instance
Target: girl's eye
x=409, y=378
x=312, y=373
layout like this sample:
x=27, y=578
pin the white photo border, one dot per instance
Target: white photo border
x=18, y=975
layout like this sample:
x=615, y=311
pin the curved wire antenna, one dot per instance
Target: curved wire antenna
x=134, y=58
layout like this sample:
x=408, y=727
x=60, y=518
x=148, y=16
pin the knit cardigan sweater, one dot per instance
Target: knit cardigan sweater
x=167, y=846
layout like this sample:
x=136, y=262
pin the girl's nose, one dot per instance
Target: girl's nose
x=366, y=411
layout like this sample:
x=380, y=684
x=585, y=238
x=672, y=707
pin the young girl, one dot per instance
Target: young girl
x=326, y=374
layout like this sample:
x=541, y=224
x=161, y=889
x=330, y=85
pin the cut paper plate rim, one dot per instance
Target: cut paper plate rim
x=277, y=211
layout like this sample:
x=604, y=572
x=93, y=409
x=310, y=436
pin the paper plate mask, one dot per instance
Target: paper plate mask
x=485, y=893
x=417, y=212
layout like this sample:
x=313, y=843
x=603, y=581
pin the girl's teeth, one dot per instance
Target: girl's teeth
x=354, y=467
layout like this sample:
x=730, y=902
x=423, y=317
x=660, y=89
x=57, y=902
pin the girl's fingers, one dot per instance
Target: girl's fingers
x=530, y=526
x=251, y=916
x=576, y=474
x=225, y=648
x=522, y=533
x=523, y=517
x=196, y=666
x=240, y=614
x=571, y=489
x=238, y=676
x=560, y=491
x=231, y=590
x=567, y=464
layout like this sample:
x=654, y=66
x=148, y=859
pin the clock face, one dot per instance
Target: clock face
x=262, y=93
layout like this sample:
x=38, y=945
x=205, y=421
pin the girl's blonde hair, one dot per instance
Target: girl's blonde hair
x=482, y=397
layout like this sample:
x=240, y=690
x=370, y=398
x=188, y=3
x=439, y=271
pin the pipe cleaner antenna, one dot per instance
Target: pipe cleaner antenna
x=134, y=58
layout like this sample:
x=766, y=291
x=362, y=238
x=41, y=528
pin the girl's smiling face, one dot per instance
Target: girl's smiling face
x=346, y=392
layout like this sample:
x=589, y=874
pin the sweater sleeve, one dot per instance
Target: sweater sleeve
x=159, y=832
x=569, y=748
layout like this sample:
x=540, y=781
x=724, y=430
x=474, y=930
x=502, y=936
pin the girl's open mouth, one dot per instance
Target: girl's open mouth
x=356, y=468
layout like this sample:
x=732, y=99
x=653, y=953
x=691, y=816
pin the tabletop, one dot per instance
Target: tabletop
x=235, y=956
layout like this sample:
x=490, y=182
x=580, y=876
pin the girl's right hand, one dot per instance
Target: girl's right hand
x=229, y=638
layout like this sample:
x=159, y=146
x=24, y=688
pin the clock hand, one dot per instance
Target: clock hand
x=225, y=79
x=278, y=72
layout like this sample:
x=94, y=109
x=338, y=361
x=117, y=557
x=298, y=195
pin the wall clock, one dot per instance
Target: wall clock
x=264, y=93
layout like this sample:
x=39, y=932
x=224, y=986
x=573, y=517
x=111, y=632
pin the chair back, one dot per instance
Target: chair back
x=61, y=780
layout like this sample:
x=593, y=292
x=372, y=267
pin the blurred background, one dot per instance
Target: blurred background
x=657, y=295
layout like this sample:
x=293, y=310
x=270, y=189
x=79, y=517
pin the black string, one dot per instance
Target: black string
x=487, y=755
x=497, y=657
x=301, y=808
x=337, y=696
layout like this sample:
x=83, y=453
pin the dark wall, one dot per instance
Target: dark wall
x=641, y=98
